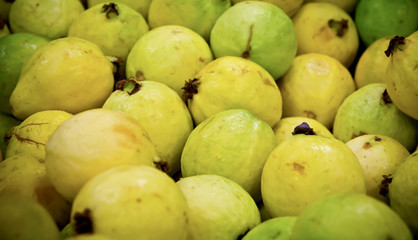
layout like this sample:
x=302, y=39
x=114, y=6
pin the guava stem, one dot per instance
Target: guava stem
x=393, y=44
x=109, y=9
x=128, y=85
x=246, y=53
x=340, y=26
x=303, y=128
x=190, y=88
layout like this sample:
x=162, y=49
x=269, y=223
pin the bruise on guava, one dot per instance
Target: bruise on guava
x=246, y=53
x=110, y=8
x=384, y=186
x=340, y=27
x=393, y=44
x=128, y=85
x=83, y=222
x=303, y=128
x=361, y=133
x=190, y=88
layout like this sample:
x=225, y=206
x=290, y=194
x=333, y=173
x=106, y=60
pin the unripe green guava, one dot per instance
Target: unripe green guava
x=278, y=228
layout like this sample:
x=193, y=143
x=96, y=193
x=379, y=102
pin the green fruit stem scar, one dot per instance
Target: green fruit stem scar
x=129, y=86
x=395, y=42
x=303, y=128
x=83, y=222
x=109, y=9
x=190, y=88
x=341, y=26
x=246, y=53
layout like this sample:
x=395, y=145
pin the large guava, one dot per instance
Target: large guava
x=278, y=228
x=370, y=110
x=15, y=49
x=258, y=31
x=347, y=216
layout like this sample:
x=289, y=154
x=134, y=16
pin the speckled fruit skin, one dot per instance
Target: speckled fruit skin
x=278, y=228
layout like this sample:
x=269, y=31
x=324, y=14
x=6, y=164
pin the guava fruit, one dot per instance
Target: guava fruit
x=307, y=168
x=7, y=122
x=32, y=134
x=25, y=175
x=403, y=191
x=323, y=27
x=258, y=31
x=349, y=216
x=233, y=83
x=382, y=18
x=232, y=143
x=290, y=7
x=25, y=219
x=372, y=64
x=161, y=111
x=346, y=5
x=5, y=8
x=69, y=74
x=284, y=129
x=278, y=228
x=402, y=73
x=82, y=147
x=67, y=231
x=4, y=29
x=315, y=86
x=46, y=18
x=141, y=6
x=380, y=156
x=219, y=208
x=370, y=110
x=169, y=54
x=131, y=202
x=113, y=27
x=199, y=16
x=15, y=49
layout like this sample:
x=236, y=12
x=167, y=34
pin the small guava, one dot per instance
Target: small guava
x=278, y=228
x=315, y=86
x=141, y=6
x=370, y=110
x=131, y=202
x=258, y=31
x=349, y=216
x=290, y=7
x=219, y=208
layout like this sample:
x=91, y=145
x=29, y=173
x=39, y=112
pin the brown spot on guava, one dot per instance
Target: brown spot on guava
x=138, y=200
x=377, y=139
x=340, y=26
x=109, y=9
x=202, y=60
x=298, y=167
x=358, y=135
x=367, y=145
x=28, y=140
x=162, y=165
x=174, y=32
x=393, y=44
x=190, y=89
x=246, y=53
x=126, y=132
x=83, y=222
x=384, y=185
x=309, y=114
x=139, y=76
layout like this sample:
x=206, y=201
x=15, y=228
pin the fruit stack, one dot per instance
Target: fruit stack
x=198, y=119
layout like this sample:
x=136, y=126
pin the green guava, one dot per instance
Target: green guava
x=161, y=111
x=233, y=83
x=24, y=219
x=219, y=208
x=403, y=191
x=141, y=6
x=306, y=168
x=258, y=31
x=370, y=110
x=290, y=7
x=114, y=27
x=131, y=202
x=232, y=143
x=169, y=54
x=7, y=122
x=382, y=18
x=347, y=216
x=402, y=73
x=47, y=18
x=278, y=228
x=15, y=49
x=199, y=16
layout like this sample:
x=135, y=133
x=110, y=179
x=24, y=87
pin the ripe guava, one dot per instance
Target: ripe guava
x=15, y=49
x=403, y=191
x=233, y=83
x=349, y=216
x=161, y=111
x=258, y=31
x=113, y=27
x=370, y=110
x=219, y=208
x=7, y=122
x=323, y=27
x=131, y=202
x=47, y=18
x=232, y=143
x=70, y=74
x=168, y=54
x=290, y=7
x=32, y=134
x=278, y=228
x=25, y=218
x=380, y=156
x=315, y=87
x=382, y=18
x=141, y=6
x=402, y=73
x=25, y=175
x=307, y=168
x=199, y=16
x=82, y=147
x=372, y=64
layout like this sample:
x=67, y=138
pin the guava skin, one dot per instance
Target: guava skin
x=15, y=49
x=369, y=110
x=219, y=208
x=131, y=202
x=349, y=216
x=403, y=191
x=212, y=148
x=141, y=6
x=290, y=7
x=347, y=5
x=258, y=31
x=381, y=18
x=278, y=228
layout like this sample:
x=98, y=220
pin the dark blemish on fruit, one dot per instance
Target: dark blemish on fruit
x=139, y=76
x=109, y=9
x=358, y=135
x=384, y=185
x=190, y=88
x=309, y=114
x=298, y=167
x=340, y=26
x=28, y=140
x=394, y=43
x=129, y=86
x=7, y=136
x=176, y=31
x=138, y=200
x=162, y=165
x=366, y=145
x=246, y=53
x=83, y=222
x=385, y=97
x=201, y=59
x=303, y=128
x=377, y=139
